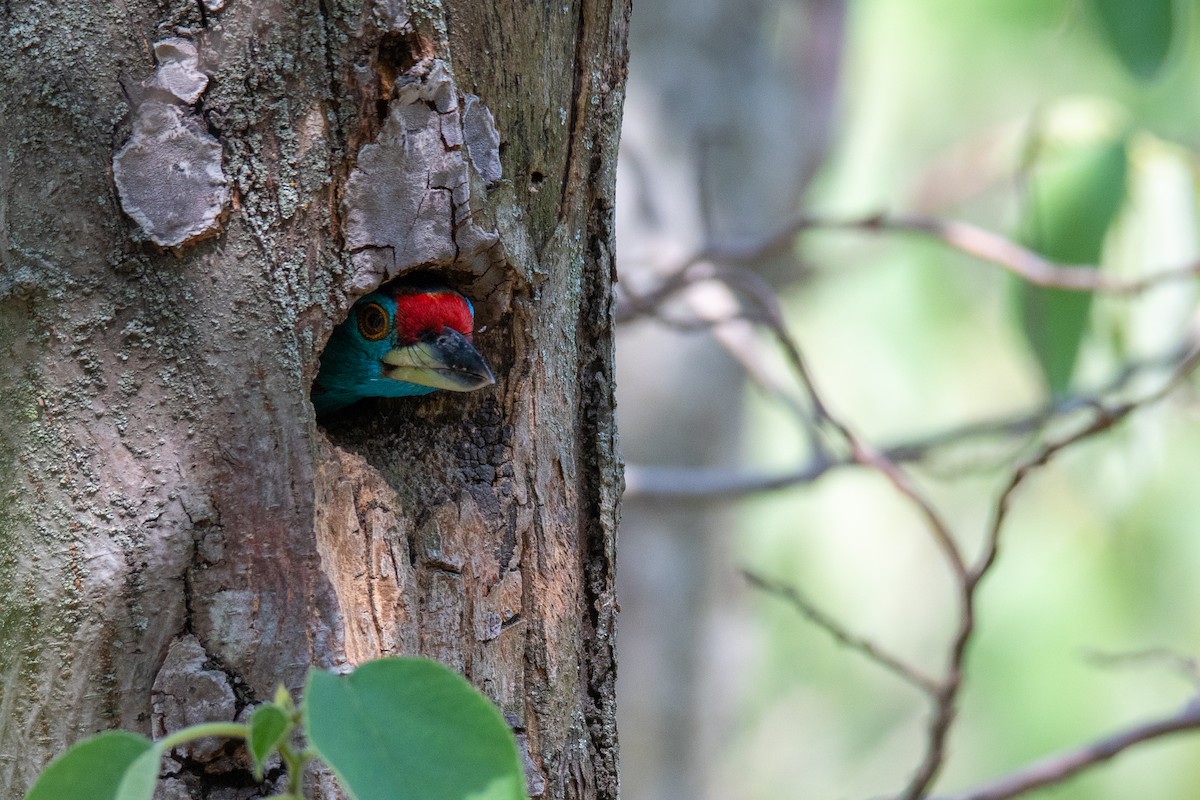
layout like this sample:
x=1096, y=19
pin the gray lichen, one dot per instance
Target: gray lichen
x=186, y=692
x=168, y=174
x=178, y=70
x=410, y=195
x=482, y=139
x=391, y=15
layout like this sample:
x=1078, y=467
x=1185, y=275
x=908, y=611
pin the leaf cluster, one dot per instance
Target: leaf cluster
x=393, y=728
x=1078, y=185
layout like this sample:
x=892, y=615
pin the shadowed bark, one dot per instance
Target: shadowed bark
x=171, y=515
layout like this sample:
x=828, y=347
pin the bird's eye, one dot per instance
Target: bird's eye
x=372, y=322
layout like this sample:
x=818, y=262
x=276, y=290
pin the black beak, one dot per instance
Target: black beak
x=443, y=360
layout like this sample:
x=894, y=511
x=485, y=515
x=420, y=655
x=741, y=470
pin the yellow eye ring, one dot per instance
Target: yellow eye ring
x=373, y=322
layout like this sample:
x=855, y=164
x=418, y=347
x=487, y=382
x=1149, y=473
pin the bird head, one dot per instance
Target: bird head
x=400, y=342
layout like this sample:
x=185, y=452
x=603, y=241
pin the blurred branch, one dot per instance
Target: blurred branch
x=750, y=299
x=765, y=309
x=944, y=693
x=1186, y=666
x=717, y=485
x=877, y=460
x=1057, y=768
x=760, y=305
x=858, y=644
x=945, y=702
x=964, y=237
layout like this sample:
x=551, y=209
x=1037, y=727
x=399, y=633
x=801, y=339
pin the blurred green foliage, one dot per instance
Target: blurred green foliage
x=1073, y=196
x=1140, y=32
x=942, y=101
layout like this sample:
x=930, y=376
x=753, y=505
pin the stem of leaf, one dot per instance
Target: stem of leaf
x=232, y=730
x=295, y=767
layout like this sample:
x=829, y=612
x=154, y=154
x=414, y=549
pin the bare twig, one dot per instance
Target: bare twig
x=1057, y=768
x=860, y=453
x=877, y=460
x=858, y=644
x=1103, y=412
x=970, y=239
x=1187, y=666
x=1105, y=417
x=945, y=703
x=944, y=694
x=718, y=485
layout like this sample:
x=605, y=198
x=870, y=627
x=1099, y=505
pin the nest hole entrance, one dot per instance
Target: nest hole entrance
x=430, y=449
x=363, y=424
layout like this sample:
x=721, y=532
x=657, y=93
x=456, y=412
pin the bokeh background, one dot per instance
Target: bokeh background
x=742, y=113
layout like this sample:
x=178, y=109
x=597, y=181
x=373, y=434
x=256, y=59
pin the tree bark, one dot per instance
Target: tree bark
x=191, y=197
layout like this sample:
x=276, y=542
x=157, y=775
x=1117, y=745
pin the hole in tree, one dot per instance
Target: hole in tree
x=397, y=53
x=459, y=436
x=413, y=339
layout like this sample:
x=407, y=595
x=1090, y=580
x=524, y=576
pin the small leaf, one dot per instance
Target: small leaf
x=92, y=769
x=269, y=726
x=140, y=779
x=1139, y=32
x=283, y=699
x=1076, y=191
x=409, y=728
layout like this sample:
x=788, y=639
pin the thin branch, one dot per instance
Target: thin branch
x=1186, y=666
x=717, y=485
x=900, y=480
x=944, y=694
x=760, y=305
x=964, y=237
x=1105, y=418
x=860, y=452
x=945, y=703
x=858, y=644
x=1056, y=769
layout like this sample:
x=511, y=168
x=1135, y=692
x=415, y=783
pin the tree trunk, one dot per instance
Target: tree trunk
x=731, y=105
x=191, y=196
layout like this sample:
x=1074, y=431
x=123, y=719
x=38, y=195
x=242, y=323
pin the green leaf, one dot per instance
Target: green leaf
x=283, y=699
x=269, y=726
x=140, y=779
x=94, y=768
x=1139, y=32
x=410, y=728
x=1076, y=191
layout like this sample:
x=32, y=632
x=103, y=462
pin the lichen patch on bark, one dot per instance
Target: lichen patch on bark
x=168, y=174
x=410, y=195
x=186, y=692
x=178, y=70
x=482, y=140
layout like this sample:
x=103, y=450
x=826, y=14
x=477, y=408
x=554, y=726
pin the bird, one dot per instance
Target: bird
x=400, y=342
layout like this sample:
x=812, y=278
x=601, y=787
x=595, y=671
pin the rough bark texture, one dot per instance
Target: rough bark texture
x=171, y=516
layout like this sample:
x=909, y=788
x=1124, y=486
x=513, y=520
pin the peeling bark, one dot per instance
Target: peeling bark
x=410, y=193
x=171, y=516
x=169, y=176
